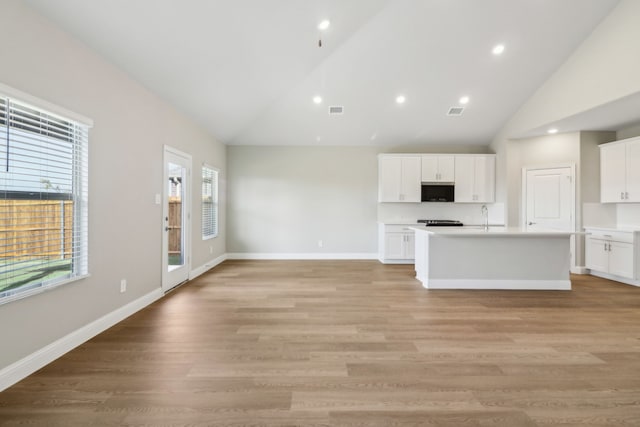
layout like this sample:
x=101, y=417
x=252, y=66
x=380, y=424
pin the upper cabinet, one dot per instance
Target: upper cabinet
x=438, y=168
x=620, y=171
x=475, y=178
x=399, y=178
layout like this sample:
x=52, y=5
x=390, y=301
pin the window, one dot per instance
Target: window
x=209, y=202
x=43, y=199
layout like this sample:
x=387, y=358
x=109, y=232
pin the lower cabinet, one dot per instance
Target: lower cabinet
x=612, y=254
x=396, y=244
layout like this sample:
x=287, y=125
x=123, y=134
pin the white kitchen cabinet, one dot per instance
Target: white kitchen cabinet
x=396, y=244
x=475, y=178
x=613, y=254
x=399, y=178
x=620, y=171
x=438, y=168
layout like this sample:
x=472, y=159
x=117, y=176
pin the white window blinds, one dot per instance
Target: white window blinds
x=43, y=199
x=209, y=202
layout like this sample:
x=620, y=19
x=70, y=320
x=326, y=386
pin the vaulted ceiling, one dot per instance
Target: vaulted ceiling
x=248, y=70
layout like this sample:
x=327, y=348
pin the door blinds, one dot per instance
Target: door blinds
x=43, y=199
x=209, y=202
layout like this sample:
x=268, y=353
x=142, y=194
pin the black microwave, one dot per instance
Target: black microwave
x=436, y=192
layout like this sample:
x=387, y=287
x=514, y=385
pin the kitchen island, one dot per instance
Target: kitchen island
x=492, y=258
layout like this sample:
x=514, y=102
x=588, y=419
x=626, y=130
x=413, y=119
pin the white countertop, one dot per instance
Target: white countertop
x=623, y=229
x=479, y=231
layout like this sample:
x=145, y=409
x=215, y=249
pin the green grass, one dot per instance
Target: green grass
x=35, y=271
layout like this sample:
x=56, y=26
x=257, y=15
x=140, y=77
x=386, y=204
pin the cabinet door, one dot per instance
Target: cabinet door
x=464, y=177
x=429, y=168
x=621, y=259
x=633, y=171
x=410, y=189
x=389, y=179
x=394, y=244
x=485, y=179
x=596, y=254
x=612, y=173
x=446, y=168
x=409, y=246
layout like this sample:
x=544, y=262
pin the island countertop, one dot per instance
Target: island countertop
x=492, y=231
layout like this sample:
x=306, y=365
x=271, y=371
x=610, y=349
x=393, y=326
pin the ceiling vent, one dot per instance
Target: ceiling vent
x=336, y=110
x=455, y=111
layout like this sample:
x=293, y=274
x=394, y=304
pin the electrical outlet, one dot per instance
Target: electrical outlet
x=123, y=286
x=320, y=243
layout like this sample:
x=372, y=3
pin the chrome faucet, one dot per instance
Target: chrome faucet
x=485, y=217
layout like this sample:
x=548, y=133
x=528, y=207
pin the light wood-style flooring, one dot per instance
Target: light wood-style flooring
x=349, y=343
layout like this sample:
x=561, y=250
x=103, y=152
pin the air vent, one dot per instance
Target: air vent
x=336, y=109
x=455, y=111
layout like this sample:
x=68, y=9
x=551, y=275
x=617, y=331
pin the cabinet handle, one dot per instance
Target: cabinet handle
x=626, y=195
x=605, y=246
x=622, y=195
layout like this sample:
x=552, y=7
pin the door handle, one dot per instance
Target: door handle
x=166, y=229
x=531, y=223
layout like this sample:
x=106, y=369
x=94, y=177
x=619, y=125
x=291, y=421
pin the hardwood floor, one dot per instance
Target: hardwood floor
x=349, y=343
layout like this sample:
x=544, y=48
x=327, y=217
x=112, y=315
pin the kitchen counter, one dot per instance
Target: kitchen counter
x=480, y=231
x=497, y=258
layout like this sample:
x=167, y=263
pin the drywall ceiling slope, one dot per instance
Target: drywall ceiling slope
x=247, y=70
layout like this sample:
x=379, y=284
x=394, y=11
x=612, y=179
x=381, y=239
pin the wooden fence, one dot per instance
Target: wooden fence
x=175, y=226
x=44, y=228
x=36, y=229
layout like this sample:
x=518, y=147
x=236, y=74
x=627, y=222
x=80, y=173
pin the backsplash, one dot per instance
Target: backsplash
x=628, y=215
x=469, y=214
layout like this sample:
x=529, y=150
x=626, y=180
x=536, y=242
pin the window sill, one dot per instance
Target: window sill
x=40, y=289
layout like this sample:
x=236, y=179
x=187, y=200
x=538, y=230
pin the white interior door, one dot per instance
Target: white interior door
x=550, y=199
x=549, y=203
x=176, y=219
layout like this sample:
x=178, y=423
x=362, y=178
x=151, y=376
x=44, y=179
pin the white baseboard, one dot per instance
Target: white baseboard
x=579, y=270
x=302, y=256
x=206, y=267
x=515, y=284
x=613, y=277
x=31, y=363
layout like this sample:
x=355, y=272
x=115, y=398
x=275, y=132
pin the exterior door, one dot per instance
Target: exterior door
x=549, y=199
x=176, y=219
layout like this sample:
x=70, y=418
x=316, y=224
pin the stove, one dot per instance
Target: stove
x=440, y=223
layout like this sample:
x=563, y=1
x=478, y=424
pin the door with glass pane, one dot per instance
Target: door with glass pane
x=176, y=217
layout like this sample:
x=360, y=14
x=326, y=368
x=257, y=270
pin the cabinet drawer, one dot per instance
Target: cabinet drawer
x=616, y=236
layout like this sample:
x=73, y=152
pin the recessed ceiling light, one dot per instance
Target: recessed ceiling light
x=498, y=49
x=552, y=131
x=400, y=99
x=317, y=99
x=464, y=100
x=323, y=25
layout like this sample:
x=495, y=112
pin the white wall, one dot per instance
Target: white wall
x=282, y=200
x=604, y=68
x=125, y=172
x=549, y=150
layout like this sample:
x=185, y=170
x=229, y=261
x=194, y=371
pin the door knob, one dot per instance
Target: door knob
x=531, y=223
